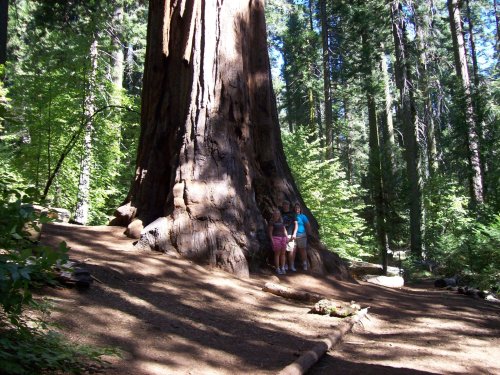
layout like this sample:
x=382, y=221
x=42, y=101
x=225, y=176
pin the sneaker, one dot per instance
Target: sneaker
x=293, y=269
x=304, y=266
x=278, y=271
x=283, y=271
x=285, y=267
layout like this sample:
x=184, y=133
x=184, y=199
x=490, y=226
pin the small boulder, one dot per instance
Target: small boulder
x=134, y=229
x=446, y=282
x=388, y=281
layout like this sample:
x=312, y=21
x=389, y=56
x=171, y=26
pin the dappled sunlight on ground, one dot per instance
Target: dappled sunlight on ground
x=172, y=316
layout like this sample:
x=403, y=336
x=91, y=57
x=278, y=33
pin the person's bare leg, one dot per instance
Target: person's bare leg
x=277, y=255
x=291, y=259
x=303, y=256
x=289, y=255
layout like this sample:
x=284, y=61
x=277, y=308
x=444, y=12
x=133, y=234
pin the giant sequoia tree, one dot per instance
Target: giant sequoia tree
x=210, y=163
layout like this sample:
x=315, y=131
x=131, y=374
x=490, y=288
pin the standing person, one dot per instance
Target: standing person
x=290, y=222
x=278, y=236
x=303, y=229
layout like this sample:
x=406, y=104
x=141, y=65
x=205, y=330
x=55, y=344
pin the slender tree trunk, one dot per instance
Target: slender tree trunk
x=4, y=19
x=422, y=31
x=117, y=74
x=117, y=53
x=288, y=100
x=410, y=129
x=476, y=179
x=349, y=138
x=473, y=54
x=83, y=196
x=476, y=94
x=389, y=143
x=49, y=133
x=497, y=21
x=387, y=149
x=377, y=180
x=210, y=163
x=375, y=170
x=326, y=79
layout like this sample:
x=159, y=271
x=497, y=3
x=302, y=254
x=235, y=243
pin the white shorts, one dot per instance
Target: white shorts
x=290, y=246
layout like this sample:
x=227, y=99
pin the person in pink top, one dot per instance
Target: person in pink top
x=278, y=236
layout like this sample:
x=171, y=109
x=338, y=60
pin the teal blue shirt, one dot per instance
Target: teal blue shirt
x=302, y=220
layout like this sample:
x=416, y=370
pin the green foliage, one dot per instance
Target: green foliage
x=22, y=264
x=26, y=346
x=4, y=101
x=459, y=241
x=33, y=351
x=48, y=86
x=333, y=201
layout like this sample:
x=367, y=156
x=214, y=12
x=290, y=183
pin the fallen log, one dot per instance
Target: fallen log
x=309, y=358
x=335, y=308
x=283, y=291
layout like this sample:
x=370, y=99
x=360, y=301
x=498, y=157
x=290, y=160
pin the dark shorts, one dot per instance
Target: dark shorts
x=301, y=241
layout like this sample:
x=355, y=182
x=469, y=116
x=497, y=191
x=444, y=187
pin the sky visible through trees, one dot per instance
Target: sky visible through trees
x=389, y=122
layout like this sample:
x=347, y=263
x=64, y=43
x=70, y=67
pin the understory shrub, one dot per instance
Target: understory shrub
x=460, y=242
x=27, y=344
x=333, y=201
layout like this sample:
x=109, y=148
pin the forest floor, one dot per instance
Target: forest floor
x=171, y=316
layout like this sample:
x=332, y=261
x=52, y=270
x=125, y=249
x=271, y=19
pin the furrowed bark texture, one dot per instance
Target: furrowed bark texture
x=210, y=162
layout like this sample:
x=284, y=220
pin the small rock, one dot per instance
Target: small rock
x=388, y=281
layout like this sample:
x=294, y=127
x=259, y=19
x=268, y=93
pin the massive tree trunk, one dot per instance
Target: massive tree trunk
x=210, y=163
x=410, y=129
x=476, y=179
x=83, y=197
x=4, y=18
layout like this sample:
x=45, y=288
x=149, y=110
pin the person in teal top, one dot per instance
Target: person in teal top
x=303, y=229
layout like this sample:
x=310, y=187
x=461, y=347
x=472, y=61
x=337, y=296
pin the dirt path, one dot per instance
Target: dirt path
x=170, y=316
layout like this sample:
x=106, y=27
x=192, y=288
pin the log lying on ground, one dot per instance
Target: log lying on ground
x=286, y=292
x=309, y=358
x=335, y=308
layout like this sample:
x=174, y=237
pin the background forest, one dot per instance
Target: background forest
x=389, y=115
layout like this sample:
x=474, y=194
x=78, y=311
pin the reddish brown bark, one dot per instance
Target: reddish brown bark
x=210, y=162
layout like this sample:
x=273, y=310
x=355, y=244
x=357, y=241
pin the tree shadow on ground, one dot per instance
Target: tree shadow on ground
x=170, y=315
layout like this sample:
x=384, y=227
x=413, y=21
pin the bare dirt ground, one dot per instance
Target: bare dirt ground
x=171, y=316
